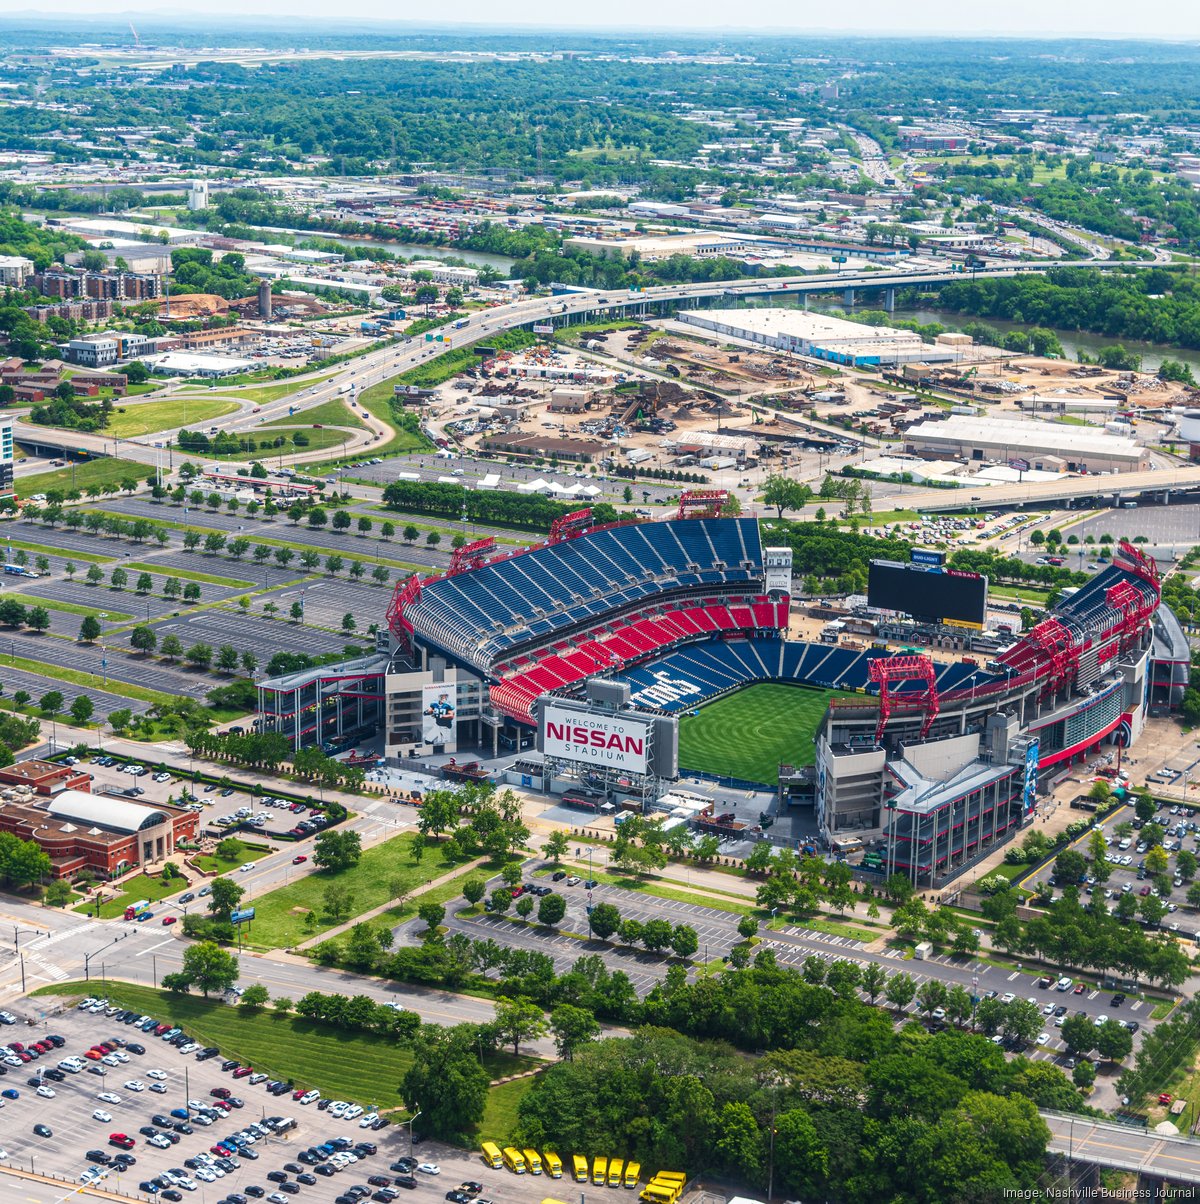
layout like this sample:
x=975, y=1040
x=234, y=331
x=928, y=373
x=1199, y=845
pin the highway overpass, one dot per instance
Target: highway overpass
x=1121, y=1147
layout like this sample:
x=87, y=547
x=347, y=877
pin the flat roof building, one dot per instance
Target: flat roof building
x=1043, y=445
x=817, y=335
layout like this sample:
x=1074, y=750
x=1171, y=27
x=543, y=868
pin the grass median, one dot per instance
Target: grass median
x=52, y=550
x=189, y=575
x=141, y=886
x=344, y=1065
x=89, y=681
x=103, y=472
x=70, y=608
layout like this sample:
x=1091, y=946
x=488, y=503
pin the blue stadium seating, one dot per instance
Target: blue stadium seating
x=481, y=613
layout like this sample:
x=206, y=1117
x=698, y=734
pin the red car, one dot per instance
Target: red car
x=121, y=1141
x=221, y=1092
x=1165, y=1098
x=223, y=1104
x=299, y=860
x=1078, y=989
x=518, y=891
x=168, y=920
x=242, y=1071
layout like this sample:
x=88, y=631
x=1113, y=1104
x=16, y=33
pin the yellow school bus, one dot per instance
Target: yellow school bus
x=579, y=1168
x=491, y=1155
x=553, y=1164
x=633, y=1172
x=533, y=1160
x=514, y=1160
x=616, y=1170
x=600, y=1170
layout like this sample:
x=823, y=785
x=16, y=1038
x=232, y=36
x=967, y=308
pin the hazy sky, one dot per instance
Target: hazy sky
x=1172, y=19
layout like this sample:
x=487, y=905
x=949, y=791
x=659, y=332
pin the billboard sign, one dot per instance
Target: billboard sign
x=243, y=916
x=1019, y=465
x=926, y=556
x=437, y=714
x=778, y=565
x=1031, y=776
x=607, y=741
x=929, y=594
x=543, y=328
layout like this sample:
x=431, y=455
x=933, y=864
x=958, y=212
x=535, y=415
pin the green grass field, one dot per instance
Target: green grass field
x=141, y=886
x=385, y=871
x=331, y=413
x=106, y=473
x=343, y=1065
x=748, y=734
x=166, y=416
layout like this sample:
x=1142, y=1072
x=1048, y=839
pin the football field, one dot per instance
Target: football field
x=748, y=734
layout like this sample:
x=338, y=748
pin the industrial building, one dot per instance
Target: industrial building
x=1048, y=446
x=817, y=336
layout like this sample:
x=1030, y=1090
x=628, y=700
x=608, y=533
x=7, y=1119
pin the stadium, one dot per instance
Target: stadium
x=635, y=626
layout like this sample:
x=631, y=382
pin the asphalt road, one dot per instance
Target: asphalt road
x=1125, y=1147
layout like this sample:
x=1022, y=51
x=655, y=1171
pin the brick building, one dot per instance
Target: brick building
x=106, y=836
x=46, y=777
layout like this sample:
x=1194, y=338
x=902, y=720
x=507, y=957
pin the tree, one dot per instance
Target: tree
x=1113, y=1041
x=191, y=591
x=684, y=941
x=525, y=906
x=551, y=909
x=605, y=919
x=209, y=967
x=199, y=656
x=784, y=493
x=900, y=990
x=82, y=709
x=143, y=639
x=474, y=889
x=656, y=934
x=739, y=1141
x=342, y=520
x=446, y=1081
x=337, y=850
x=571, y=1027
x=337, y=901
x=1078, y=1034
x=411, y=534
x=801, y=1157
x=172, y=647
x=227, y=658
x=931, y=995
x=432, y=915
x=1084, y=1075
x=1070, y=866
x=52, y=702
x=89, y=629
x=37, y=618
x=226, y=895
x=556, y=846
x=518, y=1020
x=177, y=983
x=254, y=998
x=1022, y=1020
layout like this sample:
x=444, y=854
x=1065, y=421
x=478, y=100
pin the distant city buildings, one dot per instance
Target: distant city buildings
x=15, y=270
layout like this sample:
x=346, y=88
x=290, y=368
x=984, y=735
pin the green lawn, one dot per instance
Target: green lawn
x=383, y=872
x=283, y=388
x=377, y=400
x=166, y=416
x=222, y=865
x=748, y=734
x=343, y=1065
x=189, y=575
x=70, y=608
x=141, y=886
x=107, y=473
x=328, y=436
x=334, y=412
x=500, y=1114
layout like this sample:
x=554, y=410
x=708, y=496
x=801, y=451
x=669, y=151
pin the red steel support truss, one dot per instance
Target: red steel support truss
x=1141, y=564
x=405, y=594
x=471, y=555
x=1057, y=645
x=884, y=670
x=570, y=526
x=702, y=503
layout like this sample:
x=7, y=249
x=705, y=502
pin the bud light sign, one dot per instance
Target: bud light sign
x=924, y=556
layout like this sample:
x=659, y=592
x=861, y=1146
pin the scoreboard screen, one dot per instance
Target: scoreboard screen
x=935, y=595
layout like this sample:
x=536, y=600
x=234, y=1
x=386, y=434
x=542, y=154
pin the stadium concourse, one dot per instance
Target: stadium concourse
x=934, y=762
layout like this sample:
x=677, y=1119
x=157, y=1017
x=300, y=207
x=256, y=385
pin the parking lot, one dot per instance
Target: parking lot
x=1127, y=861
x=138, y=1092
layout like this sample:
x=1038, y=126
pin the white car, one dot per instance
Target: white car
x=45, y=1092
x=205, y=1175
x=156, y=1074
x=245, y=869
x=310, y=1097
x=159, y=1142
x=354, y=1112
x=338, y=1109
x=111, y=1060
x=1048, y=1010
x=429, y=1168
x=159, y=1088
x=109, y=1097
x=368, y=1120
x=135, y=1085
x=102, y=1116
x=3, y=1154
x=1043, y=1038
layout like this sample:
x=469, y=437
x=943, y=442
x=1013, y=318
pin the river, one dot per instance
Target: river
x=408, y=250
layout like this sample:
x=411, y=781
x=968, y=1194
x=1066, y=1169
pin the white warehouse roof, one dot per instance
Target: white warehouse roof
x=1016, y=433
